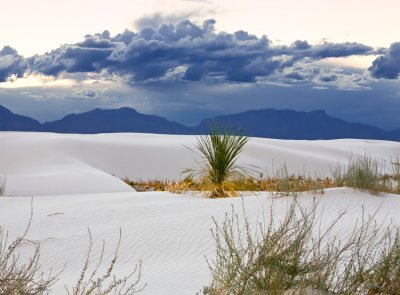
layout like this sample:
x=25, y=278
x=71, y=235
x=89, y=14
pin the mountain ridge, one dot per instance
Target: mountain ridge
x=267, y=123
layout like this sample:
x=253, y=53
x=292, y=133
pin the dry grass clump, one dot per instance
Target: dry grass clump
x=149, y=185
x=364, y=172
x=294, y=256
x=154, y=185
x=279, y=184
x=285, y=184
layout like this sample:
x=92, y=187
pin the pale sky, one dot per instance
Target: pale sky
x=37, y=26
x=342, y=56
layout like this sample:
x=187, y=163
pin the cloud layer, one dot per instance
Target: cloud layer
x=182, y=51
x=11, y=63
x=388, y=65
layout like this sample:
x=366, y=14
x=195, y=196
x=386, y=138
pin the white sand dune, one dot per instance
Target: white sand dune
x=73, y=179
x=170, y=233
x=53, y=164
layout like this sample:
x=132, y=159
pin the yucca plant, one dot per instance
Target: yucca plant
x=217, y=171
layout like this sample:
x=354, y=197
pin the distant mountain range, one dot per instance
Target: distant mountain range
x=13, y=122
x=268, y=123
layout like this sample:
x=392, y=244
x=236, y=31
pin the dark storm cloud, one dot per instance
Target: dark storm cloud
x=295, y=76
x=326, y=50
x=183, y=51
x=330, y=78
x=91, y=55
x=388, y=65
x=11, y=63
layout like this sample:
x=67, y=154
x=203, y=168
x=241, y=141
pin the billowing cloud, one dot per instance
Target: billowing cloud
x=329, y=78
x=182, y=51
x=388, y=65
x=11, y=63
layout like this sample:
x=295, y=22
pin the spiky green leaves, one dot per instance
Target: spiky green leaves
x=218, y=171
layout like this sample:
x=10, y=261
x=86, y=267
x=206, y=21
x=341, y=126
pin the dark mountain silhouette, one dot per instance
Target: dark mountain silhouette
x=13, y=122
x=269, y=123
x=396, y=134
x=116, y=120
x=289, y=124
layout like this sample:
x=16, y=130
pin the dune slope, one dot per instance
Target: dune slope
x=56, y=164
x=169, y=233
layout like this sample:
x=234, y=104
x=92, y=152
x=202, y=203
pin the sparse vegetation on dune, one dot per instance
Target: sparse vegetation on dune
x=285, y=186
x=19, y=277
x=365, y=173
x=149, y=185
x=2, y=185
x=22, y=278
x=293, y=255
x=362, y=172
x=92, y=282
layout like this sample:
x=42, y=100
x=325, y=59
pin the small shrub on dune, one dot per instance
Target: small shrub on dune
x=22, y=278
x=395, y=181
x=2, y=185
x=92, y=282
x=19, y=277
x=217, y=172
x=291, y=257
x=285, y=184
x=363, y=173
x=385, y=279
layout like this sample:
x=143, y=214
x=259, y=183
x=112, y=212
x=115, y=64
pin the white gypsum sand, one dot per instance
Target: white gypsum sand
x=169, y=232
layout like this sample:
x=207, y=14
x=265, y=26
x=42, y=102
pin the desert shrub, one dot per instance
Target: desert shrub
x=217, y=172
x=28, y=278
x=385, y=278
x=338, y=175
x=289, y=256
x=2, y=185
x=22, y=278
x=395, y=177
x=285, y=184
x=396, y=168
x=363, y=173
x=94, y=283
